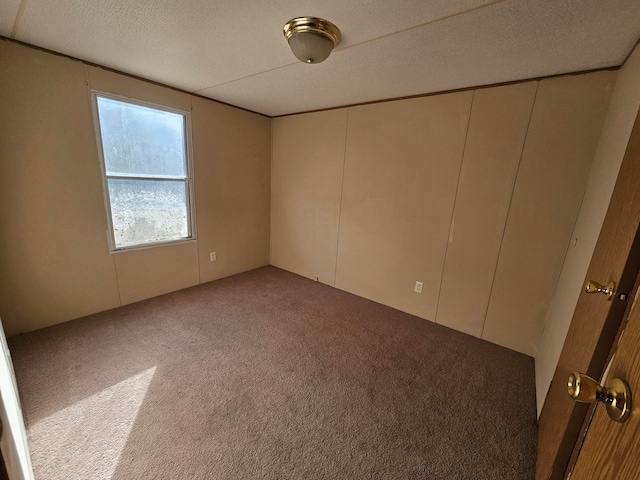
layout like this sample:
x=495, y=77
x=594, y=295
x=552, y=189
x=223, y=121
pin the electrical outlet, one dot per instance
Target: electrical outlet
x=212, y=256
x=418, y=287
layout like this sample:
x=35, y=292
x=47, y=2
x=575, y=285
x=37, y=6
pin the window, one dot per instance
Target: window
x=147, y=174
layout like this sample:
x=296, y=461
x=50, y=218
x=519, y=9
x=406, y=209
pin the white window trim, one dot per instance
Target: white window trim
x=191, y=212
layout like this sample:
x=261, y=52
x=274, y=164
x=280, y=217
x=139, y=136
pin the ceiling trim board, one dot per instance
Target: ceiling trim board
x=246, y=76
x=130, y=75
x=455, y=90
x=384, y=100
x=491, y=3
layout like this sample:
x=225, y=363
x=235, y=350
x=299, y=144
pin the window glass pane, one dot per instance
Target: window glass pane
x=145, y=211
x=140, y=140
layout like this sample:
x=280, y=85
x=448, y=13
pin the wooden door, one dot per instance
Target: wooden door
x=596, y=320
x=612, y=450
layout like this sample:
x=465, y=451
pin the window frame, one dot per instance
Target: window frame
x=188, y=180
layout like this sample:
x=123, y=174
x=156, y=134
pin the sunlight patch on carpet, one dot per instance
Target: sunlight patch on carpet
x=90, y=435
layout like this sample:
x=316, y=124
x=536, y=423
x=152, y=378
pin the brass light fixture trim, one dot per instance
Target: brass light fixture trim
x=305, y=27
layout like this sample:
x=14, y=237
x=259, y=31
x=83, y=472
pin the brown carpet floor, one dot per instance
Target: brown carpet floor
x=269, y=375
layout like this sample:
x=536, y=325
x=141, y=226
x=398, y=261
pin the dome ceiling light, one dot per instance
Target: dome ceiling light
x=311, y=39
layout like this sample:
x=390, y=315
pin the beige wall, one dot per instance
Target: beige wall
x=474, y=194
x=563, y=132
x=450, y=190
x=55, y=263
x=497, y=129
x=307, y=165
x=232, y=150
x=612, y=144
x=401, y=168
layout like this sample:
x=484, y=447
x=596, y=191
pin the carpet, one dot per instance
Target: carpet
x=268, y=375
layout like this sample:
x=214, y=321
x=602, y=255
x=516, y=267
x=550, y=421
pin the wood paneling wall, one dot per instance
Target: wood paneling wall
x=55, y=263
x=616, y=131
x=401, y=168
x=306, y=186
x=473, y=193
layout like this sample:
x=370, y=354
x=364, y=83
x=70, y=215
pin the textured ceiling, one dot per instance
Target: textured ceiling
x=234, y=50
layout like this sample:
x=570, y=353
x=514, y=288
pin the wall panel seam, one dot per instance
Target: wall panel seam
x=270, y=260
x=344, y=164
x=506, y=222
x=87, y=78
x=453, y=207
x=195, y=193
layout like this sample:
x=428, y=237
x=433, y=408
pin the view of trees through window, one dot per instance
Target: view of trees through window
x=145, y=160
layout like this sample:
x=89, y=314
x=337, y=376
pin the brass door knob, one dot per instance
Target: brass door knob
x=617, y=397
x=594, y=287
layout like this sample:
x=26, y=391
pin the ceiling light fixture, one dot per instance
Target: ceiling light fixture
x=311, y=39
